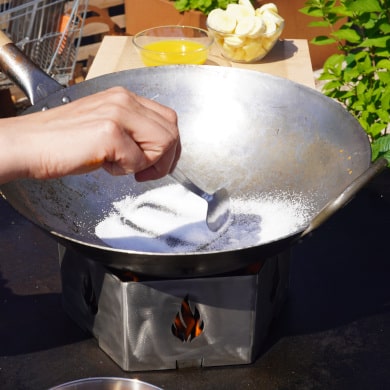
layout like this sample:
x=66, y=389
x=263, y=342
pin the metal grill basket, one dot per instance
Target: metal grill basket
x=47, y=31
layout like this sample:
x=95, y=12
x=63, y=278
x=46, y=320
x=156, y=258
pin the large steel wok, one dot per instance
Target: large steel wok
x=248, y=131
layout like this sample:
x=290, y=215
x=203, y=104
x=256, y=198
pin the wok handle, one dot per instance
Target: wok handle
x=32, y=80
x=347, y=195
x=4, y=40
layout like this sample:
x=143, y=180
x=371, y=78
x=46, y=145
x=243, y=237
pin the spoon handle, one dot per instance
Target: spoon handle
x=181, y=178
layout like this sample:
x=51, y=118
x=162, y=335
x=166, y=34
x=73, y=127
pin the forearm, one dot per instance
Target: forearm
x=12, y=150
x=48, y=145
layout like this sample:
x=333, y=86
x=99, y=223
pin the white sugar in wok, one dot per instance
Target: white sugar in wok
x=172, y=214
x=170, y=219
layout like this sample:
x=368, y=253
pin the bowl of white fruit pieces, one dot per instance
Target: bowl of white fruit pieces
x=243, y=33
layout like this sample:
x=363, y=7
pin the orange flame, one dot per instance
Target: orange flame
x=187, y=324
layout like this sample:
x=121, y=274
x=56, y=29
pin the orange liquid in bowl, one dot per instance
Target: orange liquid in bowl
x=172, y=52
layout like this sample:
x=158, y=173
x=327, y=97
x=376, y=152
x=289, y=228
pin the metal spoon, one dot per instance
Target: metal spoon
x=218, y=203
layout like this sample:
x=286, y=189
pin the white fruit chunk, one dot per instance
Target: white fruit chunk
x=273, y=16
x=239, y=12
x=221, y=21
x=271, y=22
x=268, y=43
x=246, y=3
x=234, y=41
x=229, y=50
x=245, y=25
x=258, y=28
x=253, y=50
x=267, y=7
x=271, y=27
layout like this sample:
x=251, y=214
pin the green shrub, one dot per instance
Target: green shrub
x=204, y=6
x=359, y=75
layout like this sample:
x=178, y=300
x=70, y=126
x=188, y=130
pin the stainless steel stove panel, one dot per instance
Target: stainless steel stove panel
x=168, y=324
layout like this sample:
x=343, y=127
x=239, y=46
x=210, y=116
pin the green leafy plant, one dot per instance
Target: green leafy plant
x=358, y=76
x=204, y=6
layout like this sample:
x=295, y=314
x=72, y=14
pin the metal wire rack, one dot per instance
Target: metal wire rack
x=47, y=31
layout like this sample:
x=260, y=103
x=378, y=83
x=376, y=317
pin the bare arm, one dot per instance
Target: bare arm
x=115, y=129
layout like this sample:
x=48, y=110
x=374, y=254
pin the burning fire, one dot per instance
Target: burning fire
x=187, y=324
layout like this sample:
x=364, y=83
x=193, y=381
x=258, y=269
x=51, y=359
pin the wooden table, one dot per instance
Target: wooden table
x=289, y=58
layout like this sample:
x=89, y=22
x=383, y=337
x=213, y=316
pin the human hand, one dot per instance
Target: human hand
x=114, y=129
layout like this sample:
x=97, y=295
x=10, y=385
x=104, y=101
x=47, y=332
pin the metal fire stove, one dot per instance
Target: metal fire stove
x=156, y=324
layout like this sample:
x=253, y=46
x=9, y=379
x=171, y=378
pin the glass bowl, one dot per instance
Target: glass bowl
x=106, y=383
x=246, y=48
x=173, y=45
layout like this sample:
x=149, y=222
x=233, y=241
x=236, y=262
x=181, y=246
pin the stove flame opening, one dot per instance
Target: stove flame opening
x=89, y=294
x=187, y=324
